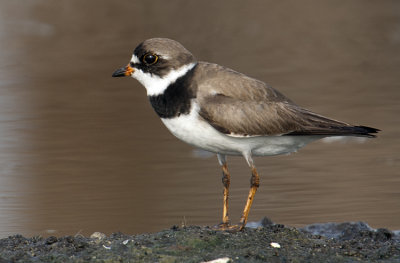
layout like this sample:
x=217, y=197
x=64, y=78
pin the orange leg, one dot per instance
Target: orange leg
x=254, y=184
x=226, y=180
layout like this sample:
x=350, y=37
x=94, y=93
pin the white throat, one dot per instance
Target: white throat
x=156, y=85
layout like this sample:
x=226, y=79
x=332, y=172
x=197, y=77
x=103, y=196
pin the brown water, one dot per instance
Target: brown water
x=83, y=152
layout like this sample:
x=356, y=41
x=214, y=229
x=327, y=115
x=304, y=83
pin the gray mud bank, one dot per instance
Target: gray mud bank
x=346, y=242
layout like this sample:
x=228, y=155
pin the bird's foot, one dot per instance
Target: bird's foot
x=228, y=227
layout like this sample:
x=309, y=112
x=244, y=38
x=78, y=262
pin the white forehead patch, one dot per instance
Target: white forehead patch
x=134, y=59
x=156, y=85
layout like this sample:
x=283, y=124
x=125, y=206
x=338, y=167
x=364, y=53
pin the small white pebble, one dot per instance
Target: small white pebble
x=98, y=235
x=275, y=245
x=125, y=241
x=106, y=247
x=218, y=260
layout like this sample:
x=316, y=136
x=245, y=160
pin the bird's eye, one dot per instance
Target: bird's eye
x=150, y=59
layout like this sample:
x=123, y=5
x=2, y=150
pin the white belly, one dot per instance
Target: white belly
x=197, y=132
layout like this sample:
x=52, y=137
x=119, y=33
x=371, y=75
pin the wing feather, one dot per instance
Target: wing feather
x=242, y=106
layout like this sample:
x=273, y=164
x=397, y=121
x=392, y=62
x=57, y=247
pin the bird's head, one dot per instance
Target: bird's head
x=157, y=62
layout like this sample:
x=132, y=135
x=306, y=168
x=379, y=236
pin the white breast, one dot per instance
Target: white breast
x=192, y=129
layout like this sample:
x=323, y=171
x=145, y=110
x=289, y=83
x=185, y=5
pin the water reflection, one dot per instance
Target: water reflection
x=81, y=152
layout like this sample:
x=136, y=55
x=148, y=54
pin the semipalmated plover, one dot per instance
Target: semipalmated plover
x=225, y=112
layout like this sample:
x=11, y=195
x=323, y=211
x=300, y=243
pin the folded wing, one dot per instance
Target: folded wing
x=237, y=117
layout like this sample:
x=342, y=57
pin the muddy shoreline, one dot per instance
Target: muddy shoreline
x=264, y=242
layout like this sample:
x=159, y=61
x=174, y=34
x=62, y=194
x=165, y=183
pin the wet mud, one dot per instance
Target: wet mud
x=264, y=242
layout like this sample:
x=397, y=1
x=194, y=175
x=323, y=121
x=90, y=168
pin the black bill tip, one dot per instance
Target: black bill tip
x=121, y=72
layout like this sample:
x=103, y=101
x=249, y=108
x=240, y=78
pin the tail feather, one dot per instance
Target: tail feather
x=366, y=131
x=315, y=124
x=363, y=131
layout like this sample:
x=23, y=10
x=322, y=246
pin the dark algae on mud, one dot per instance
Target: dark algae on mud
x=355, y=242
